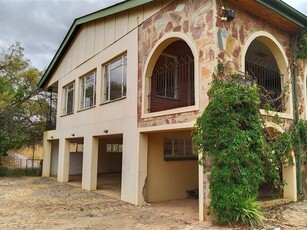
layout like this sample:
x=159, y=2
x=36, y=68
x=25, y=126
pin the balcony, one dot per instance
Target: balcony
x=172, y=83
x=269, y=81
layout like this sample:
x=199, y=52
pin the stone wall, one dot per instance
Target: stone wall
x=194, y=19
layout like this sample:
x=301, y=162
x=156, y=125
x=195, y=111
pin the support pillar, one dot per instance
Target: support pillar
x=142, y=153
x=201, y=201
x=90, y=163
x=63, y=165
x=289, y=176
x=46, y=156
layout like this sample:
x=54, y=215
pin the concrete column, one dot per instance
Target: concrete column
x=201, y=201
x=63, y=165
x=90, y=163
x=46, y=156
x=289, y=176
x=141, y=182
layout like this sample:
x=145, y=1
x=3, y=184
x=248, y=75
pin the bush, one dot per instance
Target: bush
x=249, y=213
x=230, y=133
x=19, y=172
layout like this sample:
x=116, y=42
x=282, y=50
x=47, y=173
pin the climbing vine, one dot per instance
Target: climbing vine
x=302, y=45
x=230, y=133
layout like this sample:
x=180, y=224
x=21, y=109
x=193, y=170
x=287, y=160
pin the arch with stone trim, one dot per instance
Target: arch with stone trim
x=160, y=46
x=288, y=171
x=280, y=57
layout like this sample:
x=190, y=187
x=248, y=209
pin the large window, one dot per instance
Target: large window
x=171, y=83
x=88, y=91
x=68, y=105
x=115, y=79
x=178, y=149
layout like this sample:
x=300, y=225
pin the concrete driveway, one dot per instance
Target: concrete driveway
x=43, y=203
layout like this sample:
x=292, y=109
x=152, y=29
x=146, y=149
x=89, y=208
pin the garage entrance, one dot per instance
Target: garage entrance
x=110, y=150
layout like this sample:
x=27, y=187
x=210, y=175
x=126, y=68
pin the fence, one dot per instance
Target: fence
x=13, y=163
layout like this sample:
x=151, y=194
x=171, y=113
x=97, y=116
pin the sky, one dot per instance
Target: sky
x=41, y=25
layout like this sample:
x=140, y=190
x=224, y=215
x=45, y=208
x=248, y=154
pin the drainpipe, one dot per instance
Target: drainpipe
x=298, y=143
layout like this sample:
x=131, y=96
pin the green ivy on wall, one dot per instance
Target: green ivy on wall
x=302, y=46
x=231, y=134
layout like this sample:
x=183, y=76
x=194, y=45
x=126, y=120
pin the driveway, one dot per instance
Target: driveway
x=43, y=203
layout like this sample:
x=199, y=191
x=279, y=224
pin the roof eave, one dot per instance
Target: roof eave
x=286, y=11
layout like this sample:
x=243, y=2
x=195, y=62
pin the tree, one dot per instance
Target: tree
x=22, y=108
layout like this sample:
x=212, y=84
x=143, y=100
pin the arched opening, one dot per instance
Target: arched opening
x=261, y=63
x=286, y=172
x=171, y=80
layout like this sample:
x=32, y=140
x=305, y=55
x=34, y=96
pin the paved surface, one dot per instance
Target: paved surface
x=42, y=203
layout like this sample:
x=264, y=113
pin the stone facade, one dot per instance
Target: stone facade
x=215, y=41
x=195, y=19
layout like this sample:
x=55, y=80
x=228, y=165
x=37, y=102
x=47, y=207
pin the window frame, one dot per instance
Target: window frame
x=185, y=155
x=83, y=104
x=106, y=88
x=66, y=91
x=175, y=79
x=112, y=149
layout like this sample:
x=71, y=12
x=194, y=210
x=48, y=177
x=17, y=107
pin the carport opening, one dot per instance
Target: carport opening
x=110, y=152
x=172, y=172
x=268, y=190
x=76, y=161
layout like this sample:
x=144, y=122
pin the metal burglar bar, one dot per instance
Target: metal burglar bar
x=172, y=83
x=269, y=80
x=51, y=121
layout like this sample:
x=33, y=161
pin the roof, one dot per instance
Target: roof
x=76, y=25
x=279, y=13
x=275, y=12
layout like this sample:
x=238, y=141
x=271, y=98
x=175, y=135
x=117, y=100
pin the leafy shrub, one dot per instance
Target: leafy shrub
x=19, y=172
x=230, y=133
x=249, y=213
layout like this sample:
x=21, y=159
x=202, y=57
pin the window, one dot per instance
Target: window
x=167, y=77
x=114, y=148
x=178, y=149
x=115, y=79
x=88, y=91
x=68, y=105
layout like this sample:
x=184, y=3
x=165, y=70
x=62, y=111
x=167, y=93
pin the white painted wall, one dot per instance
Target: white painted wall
x=54, y=158
x=75, y=163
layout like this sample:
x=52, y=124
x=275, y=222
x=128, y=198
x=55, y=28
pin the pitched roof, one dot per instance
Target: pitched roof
x=287, y=18
x=78, y=22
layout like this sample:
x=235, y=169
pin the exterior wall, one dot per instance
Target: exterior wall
x=302, y=87
x=192, y=22
x=95, y=44
x=75, y=163
x=168, y=180
x=54, y=158
x=96, y=36
x=108, y=162
x=239, y=34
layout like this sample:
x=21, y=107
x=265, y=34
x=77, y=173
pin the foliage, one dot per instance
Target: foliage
x=249, y=213
x=6, y=172
x=229, y=132
x=243, y=155
x=22, y=110
x=302, y=46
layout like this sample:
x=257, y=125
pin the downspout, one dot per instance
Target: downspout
x=298, y=146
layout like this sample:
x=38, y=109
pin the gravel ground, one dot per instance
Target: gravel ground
x=43, y=203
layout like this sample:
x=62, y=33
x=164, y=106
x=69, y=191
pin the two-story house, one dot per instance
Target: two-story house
x=128, y=83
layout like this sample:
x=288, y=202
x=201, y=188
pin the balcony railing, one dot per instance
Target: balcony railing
x=269, y=80
x=172, y=85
